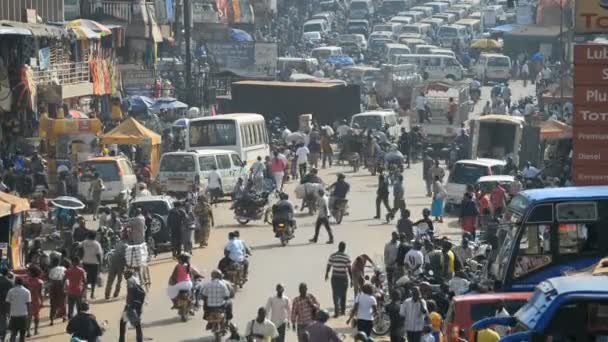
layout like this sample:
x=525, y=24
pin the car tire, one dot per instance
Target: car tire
x=159, y=229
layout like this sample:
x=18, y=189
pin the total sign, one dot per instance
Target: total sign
x=591, y=16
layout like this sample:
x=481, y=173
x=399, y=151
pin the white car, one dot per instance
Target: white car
x=313, y=37
x=116, y=173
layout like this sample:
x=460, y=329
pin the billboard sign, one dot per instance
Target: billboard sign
x=246, y=59
x=591, y=16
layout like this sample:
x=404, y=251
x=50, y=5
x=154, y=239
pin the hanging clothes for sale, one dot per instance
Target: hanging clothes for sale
x=6, y=96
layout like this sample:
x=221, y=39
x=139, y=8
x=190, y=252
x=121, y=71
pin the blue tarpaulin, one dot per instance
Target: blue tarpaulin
x=167, y=103
x=138, y=103
x=240, y=36
x=504, y=28
x=340, y=60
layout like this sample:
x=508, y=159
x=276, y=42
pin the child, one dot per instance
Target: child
x=425, y=225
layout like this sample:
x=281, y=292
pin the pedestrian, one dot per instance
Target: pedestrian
x=315, y=152
x=76, y=285
x=95, y=190
x=133, y=308
x=175, y=220
x=487, y=335
x=92, y=255
x=19, y=300
x=391, y=253
x=322, y=218
x=257, y=174
x=405, y=225
x=188, y=227
x=525, y=73
x=115, y=268
x=405, y=145
x=303, y=311
x=452, y=110
x=261, y=328
x=302, y=154
x=365, y=309
x=204, y=214
x=414, y=259
x=326, y=149
x=382, y=195
x=498, y=198
x=439, y=195
x=437, y=171
x=393, y=308
x=427, y=164
x=449, y=258
x=84, y=326
x=214, y=183
x=421, y=103
x=414, y=311
x=279, y=307
x=339, y=264
x=5, y=285
x=34, y=284
x=277, y=167
x=468, y=215
x=137, y=225
x=319, y=331
x=398, y=198
x=358, y=271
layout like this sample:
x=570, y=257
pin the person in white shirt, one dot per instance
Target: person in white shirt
x=365, y=308
x=459, y=284
x=302, y=154
x=19, y=299
x=142, y=191
x=257, y=174
x=414, y=259
x=414, y=311
x=487, y=109
x=421, y=103
x=529, y=171
x=279, y=308
x=261, y=329
x=501, y=311
x=214, y=182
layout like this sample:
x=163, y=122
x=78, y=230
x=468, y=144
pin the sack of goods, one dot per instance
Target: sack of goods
x=309, y=188
x=136, y=255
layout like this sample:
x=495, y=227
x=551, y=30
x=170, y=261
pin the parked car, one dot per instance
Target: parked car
x=117, y=175
x=158, y=207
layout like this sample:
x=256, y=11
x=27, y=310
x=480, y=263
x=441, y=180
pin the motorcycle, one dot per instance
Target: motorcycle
x=310, y=202
x=353, y=160
x=236, y=275
x=284, y=231
x=246, y=210
x=382, y=321
x=338, y=209
x=184, y=304
x=217, y=323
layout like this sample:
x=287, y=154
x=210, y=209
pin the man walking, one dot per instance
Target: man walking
x=322, y=218
x=204, y=214
x=414, y=311
x=302, y=311
x=404, y=145
x=95, y=190
x=19, y=299
x=133, y=308
x=277, y=167
x=175, y=220
x=339, y=264
x=391, y=253
x=302, y=154
x=382, y=195
x=261, y=328
x=5, y=285
x=117, y=265
x=76, y=284
x=278, y=306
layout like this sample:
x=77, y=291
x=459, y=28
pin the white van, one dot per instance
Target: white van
x=316, y=25
x=395, y=49
x=361, y=9
x=116, y=173
x=434, y=67
x=376, y=120
x=421, y=30
x=493, y=67
x=449, y=18
x=323, y=53
x=450, y=34
x=394, y=28
x=427, y=10
x=415, y=15
x=467, y=172
x=438, y=7
x=404, y=20
x=443, y=52
x=180, y=171
x=425, y=49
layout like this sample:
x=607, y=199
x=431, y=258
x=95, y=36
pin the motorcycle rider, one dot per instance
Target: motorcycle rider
x=310, y=178
x=529, y=172
x=283, y=211
x=475, y=91
x=510, y=167
x=237, y=251
x=216, y=296
x=338, y=190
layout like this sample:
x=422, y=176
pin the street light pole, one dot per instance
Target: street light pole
x=561, y=60
x=188, y=59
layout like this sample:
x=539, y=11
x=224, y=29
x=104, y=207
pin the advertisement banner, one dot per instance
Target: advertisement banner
x=591, y=74
x=588, y=116
x=589, y=175
x=245, y=58
x=591, y=16
x=590, y=54
x=592, y=96
x=590, y=136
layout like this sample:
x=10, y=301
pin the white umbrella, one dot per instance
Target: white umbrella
x=67, y=202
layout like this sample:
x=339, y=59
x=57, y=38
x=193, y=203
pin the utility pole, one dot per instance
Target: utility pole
x=561, y=60
x=187, y=38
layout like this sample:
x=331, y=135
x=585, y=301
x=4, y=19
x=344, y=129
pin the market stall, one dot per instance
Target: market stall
x=131, y=132
x=11, y=220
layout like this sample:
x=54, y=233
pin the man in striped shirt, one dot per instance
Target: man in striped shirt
x=339, y=264
x=303, y=310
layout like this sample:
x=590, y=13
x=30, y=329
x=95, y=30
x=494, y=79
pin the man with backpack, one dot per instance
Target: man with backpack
x=136, y=296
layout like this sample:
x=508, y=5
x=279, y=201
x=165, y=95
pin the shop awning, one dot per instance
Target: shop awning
x=13, y=28
x=88, y=29
x=37, y=30
x=553, y=129
x=17, y=204
x=130, y=132
x=5, y=209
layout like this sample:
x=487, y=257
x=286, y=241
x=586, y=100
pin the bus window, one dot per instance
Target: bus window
x=434, y=62
x=251, y=136
x=534, y=249
x=578, y=238
x=576, y=211
x=212, y=133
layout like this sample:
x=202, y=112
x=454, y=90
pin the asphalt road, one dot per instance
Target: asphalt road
x=300, y=261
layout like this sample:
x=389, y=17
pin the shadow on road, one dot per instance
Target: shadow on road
x=161, y=322
x=278, y=245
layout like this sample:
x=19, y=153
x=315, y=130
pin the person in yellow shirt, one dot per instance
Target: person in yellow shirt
x=117, y=114
x=487, y=335
x=436, y=320
x=450, y=258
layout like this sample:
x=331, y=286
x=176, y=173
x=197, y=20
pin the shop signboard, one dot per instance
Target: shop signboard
x=590, y=122
x=247, y=59
x=591, y=16
x=138, y=82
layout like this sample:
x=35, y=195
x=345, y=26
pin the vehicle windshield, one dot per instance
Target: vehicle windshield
x=322, y=54
x=464, y=173
x=507, y=234
x=378, y=44
x=410, y=29
x=348, y=38
x=177, y=163
x=315, y=27
x=157, y=207
x=528, y=315
x=498, y=62
x=108, y=170
x=383, y=28
x=360, y=5
x=368, y=121
x=447, y=32
x=207, y=133
x=399, y=51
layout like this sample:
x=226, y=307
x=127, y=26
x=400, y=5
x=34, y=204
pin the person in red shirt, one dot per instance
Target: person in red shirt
x=277, y=167
x=34, y=284
x=452, y=110
x=499, y=199
x=40, y=202
x=76, y=279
